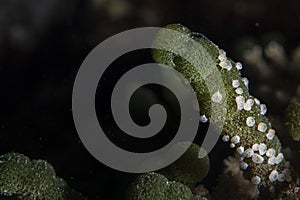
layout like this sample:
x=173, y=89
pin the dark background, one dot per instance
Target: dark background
x=43, y=43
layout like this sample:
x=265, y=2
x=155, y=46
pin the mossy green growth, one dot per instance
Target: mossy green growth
x=220, y=88
x=292, y=118
x=154, y=186
x=190, y=168
x=31, y=179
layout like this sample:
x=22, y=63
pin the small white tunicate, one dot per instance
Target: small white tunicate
x=263, y=109
x=244, y=165
x=255, y=180
x=271, y=161
x=239, y=91
x=203, y=119
x=247, y=106
x=262, y=149
x=225, y=138
x=262, y=127
x=279, y=158
x=250, y=121
x=258, y=159
x=245, y=81
x=221, y=51
x=249, y=153
x=222, y=56
x=240, y=150
x=257, y=101
x=232, y=145
x=217, y=97
x=250, y=102
x=238, y=65
x=235, y=83
x=271, y=134
x=235, y=139
x=240, y=100
x=271, y=153
x=255, y=147
x=281, y=177
x=225, y=64
x=273, y=176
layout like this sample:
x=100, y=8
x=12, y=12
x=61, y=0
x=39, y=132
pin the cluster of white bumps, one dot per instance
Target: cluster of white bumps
x=259, y=153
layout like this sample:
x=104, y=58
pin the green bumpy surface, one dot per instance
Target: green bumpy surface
x=203, y=76
x=189, y=169
x=30, y=179
x=293, y=121
x=154, y=186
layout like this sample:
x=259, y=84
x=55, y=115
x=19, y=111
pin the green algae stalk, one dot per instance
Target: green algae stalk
x=190, y=168
x=246, y=128
x=154, y=186
x=292, y=118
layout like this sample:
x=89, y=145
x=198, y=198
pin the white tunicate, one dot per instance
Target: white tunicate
x=225, y=138
x=232, y=145
x=217, y=97
x=272, y=161
x=262, y=127
x=222, y=57
x=255, y=180
x=240, y=100
x=225, y=64
x=250, y=121
x=245, y=81
x=271, y=153
x=262, y=149
x=258, y=159
x=273, y=176
x=279, y=158
x=240, y=150
x=263, y=109
x=203, y=119
x=238, y=65
x=255, y=147
x=243, y=165
x=257, y=101
x=235, y=83
x=249, y=153
x=271, y=134
x=250, y=102
x=235, y=139
x=239, y=91
x=247, y=106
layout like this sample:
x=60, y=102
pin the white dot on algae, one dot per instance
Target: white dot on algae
x=235, y=83
x=226, y=138
x=262, y=127
x=258, y=159
x=255, y=180
x=239, y=91
x=271, y=134
x=238, y=65
x=250, y=121
x=273, y=176
x=217, y=97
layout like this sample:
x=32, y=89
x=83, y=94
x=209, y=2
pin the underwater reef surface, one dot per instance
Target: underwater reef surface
x=258, y=170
